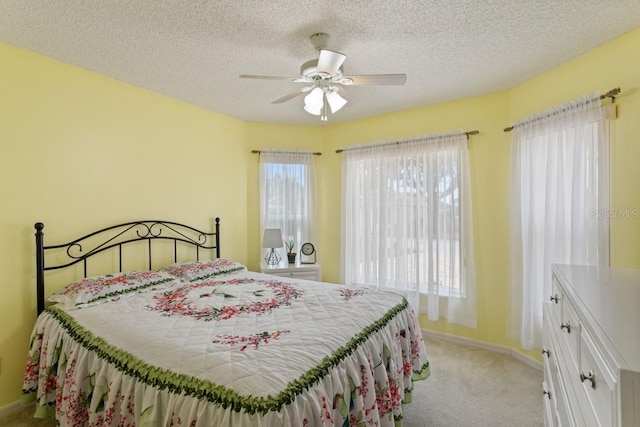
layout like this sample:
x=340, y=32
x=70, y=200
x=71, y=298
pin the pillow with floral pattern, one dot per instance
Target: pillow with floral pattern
x=197, y=270
x=95, y=290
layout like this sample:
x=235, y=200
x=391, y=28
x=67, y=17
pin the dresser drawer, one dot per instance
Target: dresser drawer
x=550, y=389
x=548, y=412
x=550, y=361
x=553, y=344
x=293, y=271
x=565, y=411
x=556, y=298
x=306, y=275
x=598, y=382
x=570, y=329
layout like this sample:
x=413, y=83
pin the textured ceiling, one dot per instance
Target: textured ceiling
x=195, y=50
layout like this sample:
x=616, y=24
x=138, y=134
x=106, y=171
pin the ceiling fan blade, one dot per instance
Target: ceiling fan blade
x=292, y=95
x=330, y=61
x=253, y=76
x=375, y=79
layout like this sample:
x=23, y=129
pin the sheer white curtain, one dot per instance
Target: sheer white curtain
x=559, y=202
x=407, y=223
x=288, y=194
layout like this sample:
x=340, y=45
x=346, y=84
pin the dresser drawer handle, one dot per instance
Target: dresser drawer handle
x=546, y=393
x=546, y=352
x=591, y=377
x=566, y=326
x=555, y=298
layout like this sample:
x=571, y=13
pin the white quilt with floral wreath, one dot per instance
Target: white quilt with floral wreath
x=240, y=349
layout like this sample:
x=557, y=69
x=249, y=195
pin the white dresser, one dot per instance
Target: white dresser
x=591, y=347
x=296, y=271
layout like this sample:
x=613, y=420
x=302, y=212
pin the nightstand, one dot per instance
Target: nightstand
x=296, y=271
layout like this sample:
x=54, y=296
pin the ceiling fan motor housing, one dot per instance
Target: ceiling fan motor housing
x=309, y=70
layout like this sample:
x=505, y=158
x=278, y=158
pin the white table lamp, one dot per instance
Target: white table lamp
x=272, y=239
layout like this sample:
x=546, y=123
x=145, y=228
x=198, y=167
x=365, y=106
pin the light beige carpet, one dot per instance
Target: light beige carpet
x=471, y=387
x=468, y=387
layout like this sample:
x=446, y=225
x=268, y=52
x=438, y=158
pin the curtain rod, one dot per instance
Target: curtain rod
x=611, y=94
x=471, y=132
x=285, y=151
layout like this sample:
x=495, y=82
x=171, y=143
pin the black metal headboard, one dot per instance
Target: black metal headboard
x=117, y=236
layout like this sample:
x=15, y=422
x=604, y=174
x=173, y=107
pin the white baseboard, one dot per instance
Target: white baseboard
x=486, y=346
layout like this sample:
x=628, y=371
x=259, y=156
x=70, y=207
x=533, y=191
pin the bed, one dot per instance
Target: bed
x=204, y=342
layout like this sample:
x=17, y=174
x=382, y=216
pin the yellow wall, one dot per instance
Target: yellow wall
x=79, y=151
x=64, y=132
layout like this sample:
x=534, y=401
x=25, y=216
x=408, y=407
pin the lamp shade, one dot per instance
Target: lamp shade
x=315, y=112
x=272, y=238
x=335, y=101
x=313, y=101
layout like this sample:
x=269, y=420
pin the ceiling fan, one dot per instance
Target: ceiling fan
x=327, y=80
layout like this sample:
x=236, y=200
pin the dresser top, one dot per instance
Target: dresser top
x=610, y=297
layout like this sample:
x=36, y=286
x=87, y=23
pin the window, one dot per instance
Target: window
x=407, y=223
x=287, y=194
x=559, y=181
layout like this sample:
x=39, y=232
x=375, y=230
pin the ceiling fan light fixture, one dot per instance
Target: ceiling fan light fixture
x=315, y=112
x=314, y=100
x=336, y=102
x=325, y=77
